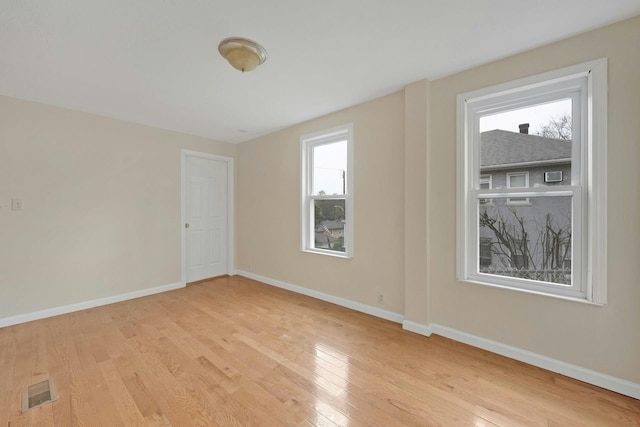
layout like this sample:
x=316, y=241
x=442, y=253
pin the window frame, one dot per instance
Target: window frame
x=588, y=177
x=483, y=241
x=486, y=178
x=525, y=200
x=307, y=224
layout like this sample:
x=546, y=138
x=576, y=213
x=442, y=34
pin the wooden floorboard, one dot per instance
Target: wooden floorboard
x=236, y=352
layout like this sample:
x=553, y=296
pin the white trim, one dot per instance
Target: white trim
x=609, y=382
x=486, y=178
x=230, y=209
x=56, y=311
x=586, y=84
x=537, y=80
x=462, y=167
x=363, y=308
x=513, y=174
x=525, y=164
x=417, y=328
x=526, y=185
x=597, y=183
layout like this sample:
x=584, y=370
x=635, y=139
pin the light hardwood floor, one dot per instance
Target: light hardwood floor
x=235, y=352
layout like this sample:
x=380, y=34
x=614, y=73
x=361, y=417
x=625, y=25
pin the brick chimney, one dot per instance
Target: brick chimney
x=524, y=128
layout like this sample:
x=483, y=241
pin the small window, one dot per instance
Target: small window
x=518, y=180
x=485, y=184
x=531, y=184
x=486, y=256
x=327, y=192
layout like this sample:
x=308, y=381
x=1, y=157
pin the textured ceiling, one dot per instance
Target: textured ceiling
x=155, y=62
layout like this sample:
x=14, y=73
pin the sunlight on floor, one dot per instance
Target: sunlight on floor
x=332, y=371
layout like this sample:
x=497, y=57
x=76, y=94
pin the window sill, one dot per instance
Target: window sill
x=534, y=292
x=334, y=254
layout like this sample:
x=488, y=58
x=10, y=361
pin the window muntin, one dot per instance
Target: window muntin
x=327, y=192
x=581, y=91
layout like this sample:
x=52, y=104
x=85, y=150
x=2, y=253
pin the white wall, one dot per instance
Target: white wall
x=101, y=206
x=268, y=204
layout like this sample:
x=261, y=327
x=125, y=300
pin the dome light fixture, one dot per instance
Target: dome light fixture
x=243, y=54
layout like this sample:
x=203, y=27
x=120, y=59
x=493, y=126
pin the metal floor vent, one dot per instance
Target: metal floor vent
x=38, y=394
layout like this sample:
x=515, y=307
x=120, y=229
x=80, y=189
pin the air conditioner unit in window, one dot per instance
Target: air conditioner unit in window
x=555, y=176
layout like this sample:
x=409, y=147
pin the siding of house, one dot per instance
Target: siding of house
x=534, y=211
x=536, y=175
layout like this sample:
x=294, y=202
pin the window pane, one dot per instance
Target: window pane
x=530, y=242
x=485, y=182
x=329, y=168
x=329, y=222
x=517, y=181
x=536, y=139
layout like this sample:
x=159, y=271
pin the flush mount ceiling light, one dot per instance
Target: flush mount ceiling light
x=242, y=54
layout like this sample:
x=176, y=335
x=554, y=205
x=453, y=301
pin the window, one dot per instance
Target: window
x=517, y=228
x=485, y=184
x=327, y=192
x=486, y=256
x=518, y=180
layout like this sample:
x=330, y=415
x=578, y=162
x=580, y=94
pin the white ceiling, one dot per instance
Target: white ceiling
x=156, y=62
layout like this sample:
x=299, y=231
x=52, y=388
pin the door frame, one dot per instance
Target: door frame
x=230, y=208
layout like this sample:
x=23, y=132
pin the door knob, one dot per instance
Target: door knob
x=186, y=226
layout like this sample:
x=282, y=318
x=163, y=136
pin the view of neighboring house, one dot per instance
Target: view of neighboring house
x=329, y=234
x=527, y=237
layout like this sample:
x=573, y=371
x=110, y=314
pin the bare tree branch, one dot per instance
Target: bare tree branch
x=559, y=127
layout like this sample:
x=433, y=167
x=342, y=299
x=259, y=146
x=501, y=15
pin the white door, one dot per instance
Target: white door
x=206, y=226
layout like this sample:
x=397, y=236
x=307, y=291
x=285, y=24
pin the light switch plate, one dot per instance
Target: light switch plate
x=4, y=204
x=17, y=204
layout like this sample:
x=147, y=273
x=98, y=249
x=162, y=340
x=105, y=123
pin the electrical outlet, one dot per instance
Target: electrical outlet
x=380, y=298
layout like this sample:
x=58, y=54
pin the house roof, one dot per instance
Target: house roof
x=501, y=147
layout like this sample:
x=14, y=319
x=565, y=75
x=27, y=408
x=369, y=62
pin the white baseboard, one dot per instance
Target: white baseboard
x=418, y=328
x=618, y=385
x=609, y=382
x=50, y=312
x=374, y=311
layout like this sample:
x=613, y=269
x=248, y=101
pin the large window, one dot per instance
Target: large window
x=517, y=228
x=327, y=192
